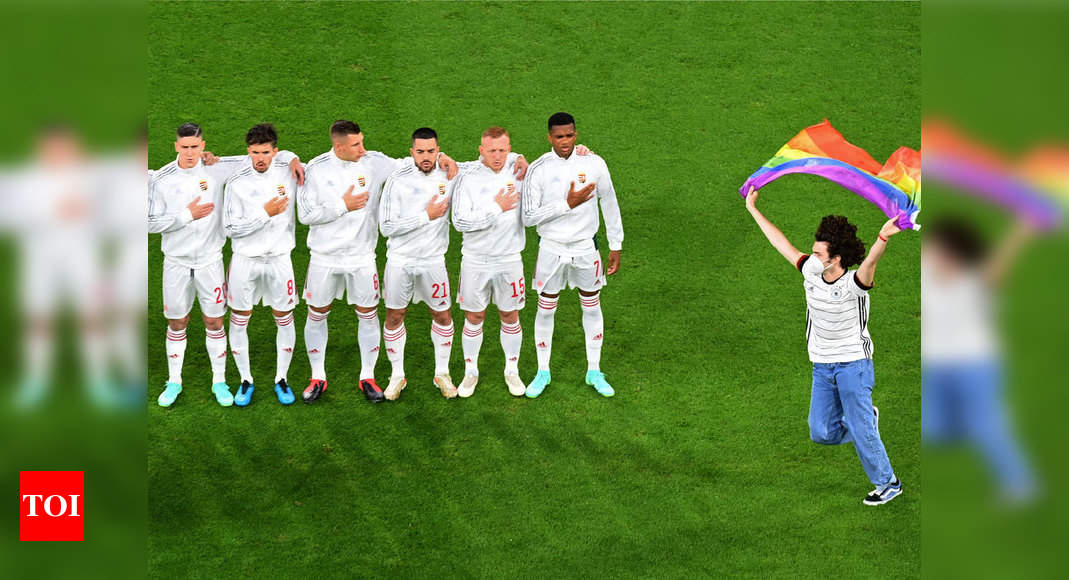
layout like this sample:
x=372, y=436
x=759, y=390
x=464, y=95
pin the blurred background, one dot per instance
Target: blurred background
x=72, y=246
x=994, y=313
x=72, y=250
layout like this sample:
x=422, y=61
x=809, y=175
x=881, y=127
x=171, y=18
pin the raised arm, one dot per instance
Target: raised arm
x=866, y=272
x=998, y=264
x=775, y=237
x=222, y=168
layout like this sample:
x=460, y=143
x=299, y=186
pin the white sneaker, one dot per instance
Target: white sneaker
x=445, y=385
x=516, y=386
x=393, y=390
x=467, y=386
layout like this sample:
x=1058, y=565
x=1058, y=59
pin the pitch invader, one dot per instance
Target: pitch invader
x=413, y=216
x=840, y=347
x=567, y=221
x=486, y=212
x=339, y=202
x=182, y=199
x=258, y=217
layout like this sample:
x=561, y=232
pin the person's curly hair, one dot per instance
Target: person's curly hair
x=842, y=239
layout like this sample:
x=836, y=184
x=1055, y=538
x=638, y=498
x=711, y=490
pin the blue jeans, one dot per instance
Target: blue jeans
x=840, y=411
x=963, y=401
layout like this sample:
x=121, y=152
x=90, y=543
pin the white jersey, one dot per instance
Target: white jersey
x=338, y=237
x=411, y=236
x=957, y=317
x=491, y=236
x=837, y=315
x=252, y=232
x=188, y=242
x=570, y=231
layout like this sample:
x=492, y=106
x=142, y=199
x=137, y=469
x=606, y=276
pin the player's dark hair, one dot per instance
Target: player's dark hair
x=960, y=239
x=558, y=119
x=424, y=133
x=342, y=127
x=841, y=236
x=261, y=134
x=189, y=130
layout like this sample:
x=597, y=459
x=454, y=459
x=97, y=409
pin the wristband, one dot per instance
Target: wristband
x=882, y=238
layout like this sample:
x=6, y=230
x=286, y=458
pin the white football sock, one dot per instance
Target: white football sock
x=594, y=328
x=239, y=344
x=368, y=337
x=315, y=341
x=543, y=330
x=215, y=342
x=472, y=341
x=285, y=340
x=511, y=340
x=176, y=353
x=442, y=336
x=395, y=348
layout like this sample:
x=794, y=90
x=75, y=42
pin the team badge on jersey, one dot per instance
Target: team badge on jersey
x=441, y=189
x=361, y=181
x=582, y=178
x=204, y=185
x=511, y=188
x=281, y=189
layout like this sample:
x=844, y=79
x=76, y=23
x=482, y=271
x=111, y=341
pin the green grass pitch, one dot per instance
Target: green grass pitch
x=701, y=465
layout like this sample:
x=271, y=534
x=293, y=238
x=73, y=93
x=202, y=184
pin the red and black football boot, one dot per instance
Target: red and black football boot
x=372, y=391
x=315, y=389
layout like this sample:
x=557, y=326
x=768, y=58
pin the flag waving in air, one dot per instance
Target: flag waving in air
x=894, y=187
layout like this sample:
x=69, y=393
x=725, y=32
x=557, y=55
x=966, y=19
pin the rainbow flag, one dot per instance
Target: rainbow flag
x=894, y=187
x=1035, y=187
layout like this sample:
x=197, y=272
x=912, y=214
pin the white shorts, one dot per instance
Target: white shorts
x=270, y=280
x=53, y=277
x=181, y=284
x=324, y=284
x=504, y=284
x=554, y=272
x=411, y=284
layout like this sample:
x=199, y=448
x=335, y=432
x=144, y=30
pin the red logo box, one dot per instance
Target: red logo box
x=51, y=506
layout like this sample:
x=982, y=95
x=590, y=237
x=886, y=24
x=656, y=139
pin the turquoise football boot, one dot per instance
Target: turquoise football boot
x=597, y=380
x=169, y=394
x=538, y=385
x=222, y=394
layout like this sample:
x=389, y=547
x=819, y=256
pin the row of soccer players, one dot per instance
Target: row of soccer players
x=347, y=196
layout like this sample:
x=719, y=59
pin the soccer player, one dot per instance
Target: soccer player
x=259, y=219
x=568, y=256
x=486, y=212
x=339, y=202
x=840, y=348
x=182, y=199
x=413, y=216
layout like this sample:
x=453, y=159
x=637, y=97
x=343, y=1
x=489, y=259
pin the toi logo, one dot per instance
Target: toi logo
x=51, y=506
